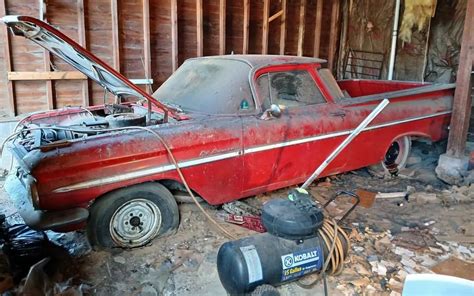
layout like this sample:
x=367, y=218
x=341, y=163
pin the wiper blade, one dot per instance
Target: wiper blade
x=173, y=106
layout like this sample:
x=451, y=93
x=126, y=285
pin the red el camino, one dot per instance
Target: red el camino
x=238, y=125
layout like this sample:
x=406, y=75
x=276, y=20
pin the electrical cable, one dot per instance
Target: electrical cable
x=163, y=142
x=330, y=233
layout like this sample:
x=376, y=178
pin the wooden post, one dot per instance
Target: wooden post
x=174, y=34
x=82, y=41
x=245, y=42
x=266, y=12
x=47, y=60
x=317, y=27
x=301, y=27
x=11, y=106
x=333, y=34
x=222, y=20
x=199, y=34
x=283, y=27
x=115, y=35
x=146, y=42
x=462, y=95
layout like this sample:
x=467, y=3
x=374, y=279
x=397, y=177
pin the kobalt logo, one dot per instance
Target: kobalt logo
x=296, y=259
x=305, y=256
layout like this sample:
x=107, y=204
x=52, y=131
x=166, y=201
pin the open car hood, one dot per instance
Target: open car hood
x=78, y=57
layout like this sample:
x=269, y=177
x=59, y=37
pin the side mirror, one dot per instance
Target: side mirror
x=273, y=112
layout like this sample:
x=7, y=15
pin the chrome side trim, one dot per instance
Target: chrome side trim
x=145, y=172
x=198, y=161
x=338, y=134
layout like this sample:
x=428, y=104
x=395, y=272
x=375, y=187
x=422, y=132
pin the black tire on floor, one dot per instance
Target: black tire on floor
x=265, y=290
x=132, y=217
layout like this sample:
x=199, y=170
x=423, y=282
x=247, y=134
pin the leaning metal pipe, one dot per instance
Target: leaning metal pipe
x=393, y=49
x=346, y=142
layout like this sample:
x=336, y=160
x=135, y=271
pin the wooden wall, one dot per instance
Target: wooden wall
x=149, y=38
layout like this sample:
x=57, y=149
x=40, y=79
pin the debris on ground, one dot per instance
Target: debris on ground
x=430, y=231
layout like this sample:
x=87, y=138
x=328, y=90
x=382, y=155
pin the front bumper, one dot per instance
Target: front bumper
x=20, y=192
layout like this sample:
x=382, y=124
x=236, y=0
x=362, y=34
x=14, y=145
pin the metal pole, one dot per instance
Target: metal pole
x=393, y=49
x=346, y=142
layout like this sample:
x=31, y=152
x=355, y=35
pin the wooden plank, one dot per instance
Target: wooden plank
x=222, y=26
x=146, y=40
x=275, y=16
x=174, y=35
x=11, y=106
x=60, y=75
x=199, y=28
x=266, y=12
x=301, y=27
x=115, y=34
x=245, y=42
x=47, y=60
x=333, y=34
x=81, y=27
x=317, y=27
x=283, y=27
x=462, y=96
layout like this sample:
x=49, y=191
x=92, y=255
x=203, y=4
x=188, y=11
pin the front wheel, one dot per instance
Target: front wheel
x=132, y=217
x=395, y=158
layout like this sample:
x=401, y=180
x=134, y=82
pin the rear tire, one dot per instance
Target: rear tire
x=132, y=217
x=395, y=158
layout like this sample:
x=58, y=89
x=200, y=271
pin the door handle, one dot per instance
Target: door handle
x=341, y=114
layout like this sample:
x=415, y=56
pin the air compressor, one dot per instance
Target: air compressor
x=297, y=242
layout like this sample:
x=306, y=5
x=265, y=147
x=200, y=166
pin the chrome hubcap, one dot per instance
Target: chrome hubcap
x=135, y=223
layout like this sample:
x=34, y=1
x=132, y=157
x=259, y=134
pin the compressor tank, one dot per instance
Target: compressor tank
x=250, y=262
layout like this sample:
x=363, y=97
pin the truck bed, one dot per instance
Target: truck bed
x=363, y=87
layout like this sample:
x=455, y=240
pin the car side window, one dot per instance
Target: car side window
x=290, y=88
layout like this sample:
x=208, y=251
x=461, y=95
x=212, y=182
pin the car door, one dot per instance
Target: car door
x=282, y=151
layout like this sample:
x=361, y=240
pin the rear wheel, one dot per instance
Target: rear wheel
x=395, y=158
x=132, y=217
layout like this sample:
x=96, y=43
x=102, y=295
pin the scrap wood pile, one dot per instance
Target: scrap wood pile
x=379, y=261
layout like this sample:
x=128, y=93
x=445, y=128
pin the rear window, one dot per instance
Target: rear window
x=210, y=86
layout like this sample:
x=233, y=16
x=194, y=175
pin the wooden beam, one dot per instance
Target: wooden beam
x=283, y=27
x=317, y=28
x=462, y=96
x=222, y=23
x=60, y=75
x=245, y=42
x=82, y=41
x=47, y=59
x=266, y=12
x=115, y=35
x=301, y=27
x=333, y=34
x=146, y=41
x=11, y=106
x=199, y=28
x=275, y=16
x=174, y=35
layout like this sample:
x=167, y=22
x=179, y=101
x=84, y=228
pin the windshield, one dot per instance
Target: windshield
x=209, y=86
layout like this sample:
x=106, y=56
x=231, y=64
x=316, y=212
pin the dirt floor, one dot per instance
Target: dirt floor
x=391, y=239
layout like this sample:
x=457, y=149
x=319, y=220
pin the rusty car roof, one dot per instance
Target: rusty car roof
x=258, y=61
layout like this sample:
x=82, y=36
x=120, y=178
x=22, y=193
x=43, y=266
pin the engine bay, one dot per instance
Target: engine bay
x=78, y=123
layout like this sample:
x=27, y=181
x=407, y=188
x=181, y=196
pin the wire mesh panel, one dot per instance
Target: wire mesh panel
x=363, y=64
